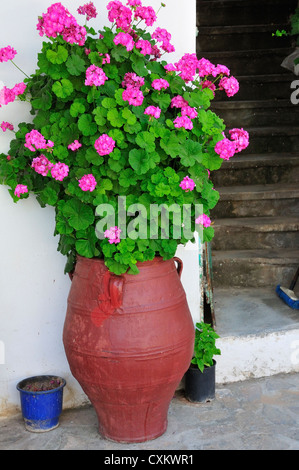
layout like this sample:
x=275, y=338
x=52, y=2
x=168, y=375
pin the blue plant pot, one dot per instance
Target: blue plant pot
x=41, y=409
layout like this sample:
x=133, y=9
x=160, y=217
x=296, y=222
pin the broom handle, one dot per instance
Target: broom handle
x=293, y=283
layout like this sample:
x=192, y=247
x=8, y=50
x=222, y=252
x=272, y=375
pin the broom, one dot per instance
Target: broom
x=287, y=295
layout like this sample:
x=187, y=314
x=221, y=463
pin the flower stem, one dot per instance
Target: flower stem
x=20, y=69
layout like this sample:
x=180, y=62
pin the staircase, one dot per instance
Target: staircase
x=256, y=225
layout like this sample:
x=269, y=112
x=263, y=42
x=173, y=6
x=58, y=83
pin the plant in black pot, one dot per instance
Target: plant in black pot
x=200, y=377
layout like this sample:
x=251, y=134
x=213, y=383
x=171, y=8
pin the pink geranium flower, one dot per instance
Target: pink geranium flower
x=104, y=145
x=187, y=184
x=74, y=145
x=6, y=125
x=87, y=183
x=160, y=84
x=154, y=111
x=7, y=53
x=20, y=189
x=59, y=171
x=203, y=220
x=124, y=39
x=95, y=76
x=113, y=234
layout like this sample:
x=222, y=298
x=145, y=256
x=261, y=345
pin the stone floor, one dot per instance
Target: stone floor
x=259, y=414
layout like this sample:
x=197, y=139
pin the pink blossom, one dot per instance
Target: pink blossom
x=230, y=85
x=58, y=21
x=133, y=95
x=221, y=70
x=6, y=125
x=188, y=111
x=35, y=140
x=156, y=52
x=124, y=39
x=160, y=84
x=19, y=88
x=146, y=13
x=74, y=145
x=104, y=145
x=178, y=102
x=134, y=3
x=170, y=68
x=145, y=46
x=131, y=80
x=89, y=10
x=87, y=51
x=95, y=76
x=225, y=148
x=6, y=96
x=8, y=157
x=113, y=234
x=161, y=35
x=7, y=53
x=187, y=65
x=183, y=121
x=87, y=183
x=59, y=171
x=204, y=220
x=20, y=189
x=209, y=84
x=153, y=111
x=120, y=14
x=240, y=137
x=205, y=67
x=168, y=47
x=106, y=58
x=41, y=165
x=187, y=184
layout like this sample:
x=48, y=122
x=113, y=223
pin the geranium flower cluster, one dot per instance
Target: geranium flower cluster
x=104, y=145
x=120, y=14
x=95, y=76
x=6, y=125
x=35, y=141
x=132, y=93
x=58, y=20
x=187, y=113
x=113, y=235
x=190, y=68
x=187, y=184
x=7, y=53
x=8, y=95
x=89, y=10
x=227, y=148
x=87, y=183
x=42, y=165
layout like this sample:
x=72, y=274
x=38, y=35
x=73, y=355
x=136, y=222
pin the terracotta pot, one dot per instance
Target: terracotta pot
x=129, y=340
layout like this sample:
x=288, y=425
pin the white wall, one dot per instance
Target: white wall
x=33, y=288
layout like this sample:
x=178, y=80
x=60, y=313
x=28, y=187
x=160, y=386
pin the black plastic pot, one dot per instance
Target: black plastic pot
x=200, y=386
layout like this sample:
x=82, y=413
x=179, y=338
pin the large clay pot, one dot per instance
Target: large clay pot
x=129, y=340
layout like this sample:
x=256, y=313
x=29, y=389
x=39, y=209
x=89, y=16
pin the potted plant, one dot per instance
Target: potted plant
x=200, y=377
x=121, y=145
x=41, y=402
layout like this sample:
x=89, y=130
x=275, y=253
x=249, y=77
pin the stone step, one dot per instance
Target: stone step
x=258, y=169
x=232, y=12
x=254, y=62
x=241, y=37
x=254, y=268
x=261, y=87
x=257, y=201
x=256, y=113
x=248, y=233
x=271, y=139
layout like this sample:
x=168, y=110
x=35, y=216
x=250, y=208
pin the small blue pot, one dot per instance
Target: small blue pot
x=41, y=409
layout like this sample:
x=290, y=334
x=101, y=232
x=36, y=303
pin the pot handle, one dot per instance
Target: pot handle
x=180, y=265
x=116, y=285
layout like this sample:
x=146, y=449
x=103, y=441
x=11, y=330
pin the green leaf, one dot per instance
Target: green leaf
x=76, y=109
x=86, y=125
x=100, y=116
x=75, y=65
x=162, y=99
x=57, y=57
x=43, y=102
x=79, y=215
x=63, y=88
x=146, y=140
x=115, y=118
x=171, y=144
x=86, y=248
x=109, y=103
x=190, y=152
x=138, y=65
x=93, y=157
